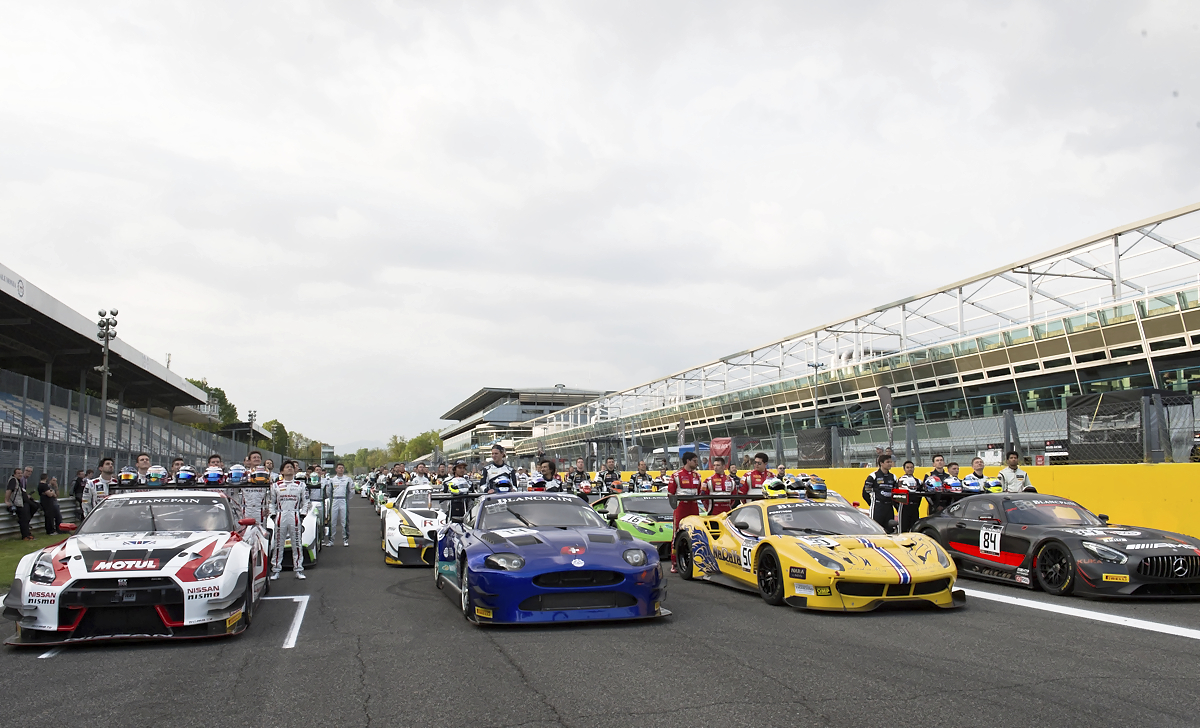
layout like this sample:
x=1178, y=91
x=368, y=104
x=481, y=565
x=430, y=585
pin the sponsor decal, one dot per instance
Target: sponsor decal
x=1156, y=545
x=989, y=540
x=127, y=565
x=41, y=597
x=155, y=501
x=729, y=556
x=1127, y=533
x=1086, y=531
x=1022, y=572
x=511, y=532
x=577, y=563
x=481, y=612
x=233, y=619
x=1022, y=579
x=824, y=591
x=797, y=572
x=203, y=592
x=1112, y=539
x=573, y=550
x=1121, y=578
x=137, y=543
x=806, y=590
x=821, y=542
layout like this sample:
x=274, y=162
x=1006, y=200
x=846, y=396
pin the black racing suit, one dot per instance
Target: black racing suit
x=574, y=480
x=911, y=511
x=491, y=471
x=877, y=490
x=637, y=479
x=934, y=486
x=608, y=477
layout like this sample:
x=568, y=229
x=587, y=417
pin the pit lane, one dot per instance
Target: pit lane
x=379, y=645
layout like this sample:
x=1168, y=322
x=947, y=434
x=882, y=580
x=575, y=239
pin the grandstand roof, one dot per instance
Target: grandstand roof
x=1155, y=254
x=486, y=397
x=36, y=329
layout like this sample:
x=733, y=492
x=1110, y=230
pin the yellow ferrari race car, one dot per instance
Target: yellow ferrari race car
x=815, y=554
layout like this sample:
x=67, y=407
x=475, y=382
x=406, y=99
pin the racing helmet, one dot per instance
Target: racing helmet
x=156, y=475
x=127, y=475
x=774, y=488
x=314, y=478
x=458, y=485
x=502, y=484
x=816, y=489
x=971, y=484
x=213, y=475
x=993, y=485
x=952, y=484
x=537, y=482
x=236, y=476
x=186, y=475
x=260, y=476
x=645, y=485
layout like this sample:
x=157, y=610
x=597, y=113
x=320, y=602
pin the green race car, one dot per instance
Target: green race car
x=647, y=516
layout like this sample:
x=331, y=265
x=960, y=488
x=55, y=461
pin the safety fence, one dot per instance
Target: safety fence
x=9, y=526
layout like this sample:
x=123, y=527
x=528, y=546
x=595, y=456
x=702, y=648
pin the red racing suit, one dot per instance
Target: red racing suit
x=684, y=482
x=721, y=485
x=755, y=479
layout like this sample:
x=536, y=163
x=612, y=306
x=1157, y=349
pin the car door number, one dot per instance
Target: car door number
x=989, y=540
x=747, y=551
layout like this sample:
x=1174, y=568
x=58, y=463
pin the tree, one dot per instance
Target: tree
x=396, y=447
x=227, y=413
x=279, y=436
x=422, y=444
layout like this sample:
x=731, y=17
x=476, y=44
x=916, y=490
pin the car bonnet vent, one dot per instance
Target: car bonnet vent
x=525, y=540
x=601, y=538
x=625, y=535
x=493, y=538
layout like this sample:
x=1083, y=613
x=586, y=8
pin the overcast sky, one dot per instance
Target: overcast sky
x=353, y=215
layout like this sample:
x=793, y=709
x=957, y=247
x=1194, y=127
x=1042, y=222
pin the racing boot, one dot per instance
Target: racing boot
x=300, y=575
x=274, y=575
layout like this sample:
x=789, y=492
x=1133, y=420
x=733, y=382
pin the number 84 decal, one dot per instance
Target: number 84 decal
x=989, y=540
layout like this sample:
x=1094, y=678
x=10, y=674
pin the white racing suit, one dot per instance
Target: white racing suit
x=289, y=503
x=94, y=493
x=339, y=508
x=254, y=503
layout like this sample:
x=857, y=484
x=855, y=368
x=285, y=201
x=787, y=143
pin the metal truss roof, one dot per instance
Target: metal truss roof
x=1155, y=254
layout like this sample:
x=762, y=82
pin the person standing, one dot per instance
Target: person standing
x=641, y=480
x=289, y=504
x=497, y=468
x=719, y=484
x=77, y=487
x=755, y=478
x=877, y=490
x=48, y=494
x=97, y=490
x=16, y=499
x=341, y=486
x=686, y=482
x=577, y=478
x=610, y=477
x=935, y=486
x=1012, y=478
x=911, y=511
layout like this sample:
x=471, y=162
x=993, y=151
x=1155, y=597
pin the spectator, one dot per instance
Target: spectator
x=48, y=492
x=17, y=500
x=81, y=480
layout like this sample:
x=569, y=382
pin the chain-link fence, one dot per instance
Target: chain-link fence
x=1151, y=426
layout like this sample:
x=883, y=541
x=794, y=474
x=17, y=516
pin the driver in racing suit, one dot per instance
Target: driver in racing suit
x=496, y=468
x=755, y=478
x=720, y=484
x=610, y=478
x=289, y=504
x=98, y=489
x=641, y=480
x=878, y=491
x=341, y=486
x=685, y=482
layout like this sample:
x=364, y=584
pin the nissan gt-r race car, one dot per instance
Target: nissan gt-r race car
x=815, y=554
x=546, y=557
x=410, y=526
x=171, y=565
x=1056, y=544
x=647, y=516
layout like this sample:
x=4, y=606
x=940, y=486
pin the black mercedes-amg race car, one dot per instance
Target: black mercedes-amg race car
x=1056, y=544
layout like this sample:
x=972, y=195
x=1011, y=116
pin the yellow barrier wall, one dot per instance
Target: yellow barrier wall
x=1165, y=496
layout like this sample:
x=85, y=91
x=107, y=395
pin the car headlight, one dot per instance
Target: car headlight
x=410, y=531
x=825, y=561
x=1104, y=553
x=504, y=562
x=43, y=572
x=943, y=558
x=643, y=529
x=213, y=566
x=634, y=557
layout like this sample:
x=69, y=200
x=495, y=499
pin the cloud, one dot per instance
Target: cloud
x=351, y=216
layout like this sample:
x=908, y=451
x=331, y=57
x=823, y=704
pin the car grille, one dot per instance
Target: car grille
x=930, y=587
x=577, y=579
x=145, y=591
x=577, y=600
x=1169, y=589
x=859, y=589
x=1170, y=567
x=132, y=621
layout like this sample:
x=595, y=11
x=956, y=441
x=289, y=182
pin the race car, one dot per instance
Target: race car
x=814, y=554
x=169, y=564
x=647, y=516
x=1057, y=545
x=545, y=557
x=410, y=524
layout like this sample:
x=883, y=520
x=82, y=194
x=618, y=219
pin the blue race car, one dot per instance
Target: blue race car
x=546, y=557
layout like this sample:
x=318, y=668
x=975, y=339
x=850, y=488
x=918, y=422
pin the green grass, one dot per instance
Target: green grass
x=12, y=549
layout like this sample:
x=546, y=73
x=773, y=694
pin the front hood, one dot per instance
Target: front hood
x=655, y=524
x=121, y=552
x=550, y=542
x=878, y=556
x=1135, y=541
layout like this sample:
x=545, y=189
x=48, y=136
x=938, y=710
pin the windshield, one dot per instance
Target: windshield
x=420, y=499
x=648, y=504
x=519, y=513
x=147, y=515
x=792, y=519
x=1048, y=513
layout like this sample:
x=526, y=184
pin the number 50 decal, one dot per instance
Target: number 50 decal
x=989, y=540
x=747, y=550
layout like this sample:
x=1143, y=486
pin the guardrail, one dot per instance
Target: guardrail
x=10, y=527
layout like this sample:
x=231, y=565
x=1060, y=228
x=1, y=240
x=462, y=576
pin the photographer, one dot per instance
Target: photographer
x=16, y=499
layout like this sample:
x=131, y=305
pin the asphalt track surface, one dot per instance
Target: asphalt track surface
x=381, y=646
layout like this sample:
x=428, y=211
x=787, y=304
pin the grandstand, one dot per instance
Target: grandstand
x=1116, y=311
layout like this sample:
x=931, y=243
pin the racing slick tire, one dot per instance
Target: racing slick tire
x=1055, y=569
x=770, y=577
x=248, y=605
x=464, y=589
x=683, y=558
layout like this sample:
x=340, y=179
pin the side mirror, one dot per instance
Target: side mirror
x=610, y=515
x=432, y=535
x=741, y=525
x=246, y=522
x=1103, y=517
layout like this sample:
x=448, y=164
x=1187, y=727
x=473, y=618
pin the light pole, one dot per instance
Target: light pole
x=250, y=434
x=816, y=366
x=106, y=332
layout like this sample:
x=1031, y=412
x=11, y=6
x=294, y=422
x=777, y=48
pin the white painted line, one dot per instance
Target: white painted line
x=50, y=653
x=1171, y=629
x=294, y=631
